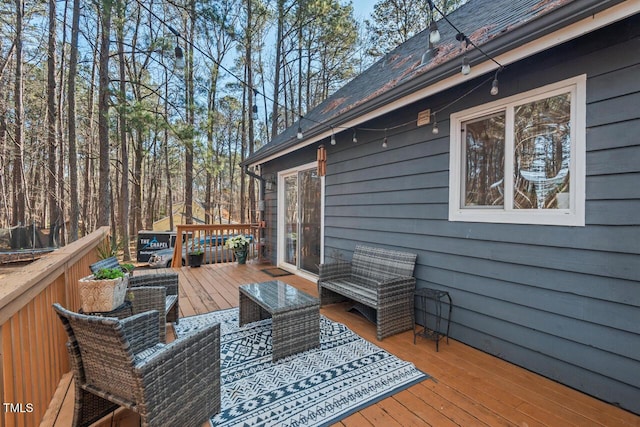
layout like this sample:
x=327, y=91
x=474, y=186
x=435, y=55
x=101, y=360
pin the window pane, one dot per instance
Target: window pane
x=484, y=162
x=542, y=153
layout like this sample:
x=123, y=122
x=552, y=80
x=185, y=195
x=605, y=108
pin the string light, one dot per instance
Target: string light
x=178, y=50
x=179, y=57
x=466, y=67
x=434, y=37
x=255, y=106
x=434, y=34
x=494, y=85
x=300, y=135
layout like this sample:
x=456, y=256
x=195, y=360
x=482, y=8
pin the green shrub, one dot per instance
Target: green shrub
x=108, y=273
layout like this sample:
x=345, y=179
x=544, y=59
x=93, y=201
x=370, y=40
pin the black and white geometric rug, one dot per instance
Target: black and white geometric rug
x=315, y=388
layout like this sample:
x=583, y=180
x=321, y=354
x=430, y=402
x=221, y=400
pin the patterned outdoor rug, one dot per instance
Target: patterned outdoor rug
x=315, y=388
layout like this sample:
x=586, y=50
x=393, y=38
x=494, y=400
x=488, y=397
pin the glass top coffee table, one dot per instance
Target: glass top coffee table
x=295, y=315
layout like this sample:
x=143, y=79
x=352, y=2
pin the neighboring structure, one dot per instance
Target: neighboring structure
x=179, y=216
x=525, y=206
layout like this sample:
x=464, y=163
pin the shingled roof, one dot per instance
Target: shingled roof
x=496, y=26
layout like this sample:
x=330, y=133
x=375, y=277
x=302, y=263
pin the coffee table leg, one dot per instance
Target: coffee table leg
x=295, y=331
x=249, y=310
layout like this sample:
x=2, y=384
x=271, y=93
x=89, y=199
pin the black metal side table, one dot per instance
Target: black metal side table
x=431, y=320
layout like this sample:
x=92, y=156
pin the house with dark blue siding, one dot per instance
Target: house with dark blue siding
x=517, y=183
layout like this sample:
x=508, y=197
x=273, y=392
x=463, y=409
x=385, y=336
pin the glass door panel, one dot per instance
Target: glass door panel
x=309, y=232
x=291, y=219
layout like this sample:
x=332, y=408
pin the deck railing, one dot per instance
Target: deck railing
x=211, y=238
x=33, y=355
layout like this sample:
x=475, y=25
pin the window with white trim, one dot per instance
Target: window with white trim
x=521, y=159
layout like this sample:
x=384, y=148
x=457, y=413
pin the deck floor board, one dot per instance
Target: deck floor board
x=468, y=387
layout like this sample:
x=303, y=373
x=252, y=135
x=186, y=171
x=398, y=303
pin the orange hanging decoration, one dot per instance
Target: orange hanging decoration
x=322, y=160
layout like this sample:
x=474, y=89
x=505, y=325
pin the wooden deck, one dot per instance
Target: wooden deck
x=467, y=388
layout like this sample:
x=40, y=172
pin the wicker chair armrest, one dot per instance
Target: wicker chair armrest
x=167, y=280
x=142, y=330
x=183, y=379
x=396, y=286
x=333, y=271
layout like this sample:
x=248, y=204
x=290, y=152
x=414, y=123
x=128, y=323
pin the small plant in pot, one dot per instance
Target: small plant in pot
x=240, y=246
x=195, y=257
x=103, y=291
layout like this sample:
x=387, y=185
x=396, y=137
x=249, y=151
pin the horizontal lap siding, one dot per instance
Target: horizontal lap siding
x=561, y=301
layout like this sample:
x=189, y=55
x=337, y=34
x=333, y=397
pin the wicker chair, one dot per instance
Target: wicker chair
x=145, y=295
x=111, y=262
x=121, y=363
x=379, y=281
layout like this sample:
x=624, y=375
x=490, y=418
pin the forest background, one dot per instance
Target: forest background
x=112, y=112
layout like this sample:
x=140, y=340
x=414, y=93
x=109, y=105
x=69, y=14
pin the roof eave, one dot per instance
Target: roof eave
x=547, y=24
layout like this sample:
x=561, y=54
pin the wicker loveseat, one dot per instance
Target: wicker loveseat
x=379, y=281
x=122, y=363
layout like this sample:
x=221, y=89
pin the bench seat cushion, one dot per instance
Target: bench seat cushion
x=355, y=289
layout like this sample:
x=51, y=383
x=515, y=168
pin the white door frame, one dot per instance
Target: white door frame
x=281, y=217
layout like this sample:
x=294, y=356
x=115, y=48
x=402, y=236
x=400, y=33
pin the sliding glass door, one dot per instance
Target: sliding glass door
x=300, y=219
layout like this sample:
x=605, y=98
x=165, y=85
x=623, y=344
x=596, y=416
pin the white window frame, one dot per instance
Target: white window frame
x=575, y=215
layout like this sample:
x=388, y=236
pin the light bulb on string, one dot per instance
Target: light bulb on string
x=385, y=140
x=494, y=87
x=466, y=67
x=355, y=137
x=179, y=56
x=254, y=109
x=333, y=137
x=434, y=34
x=300, y=135
x=434, y=129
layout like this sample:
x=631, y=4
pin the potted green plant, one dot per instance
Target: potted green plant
x=103, y=291
x=240, y=246
x=195, y=257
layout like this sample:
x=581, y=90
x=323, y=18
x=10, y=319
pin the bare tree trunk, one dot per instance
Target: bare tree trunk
x=243, y=150
x=104, y=193
x=166, y=153
x=62, y=194
x=188, y=163
x=276, y=80
x=87, y=212
x=211, y=105
x=71, y=126
x=124, y=152
x=54, y=214
x=19, y=214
